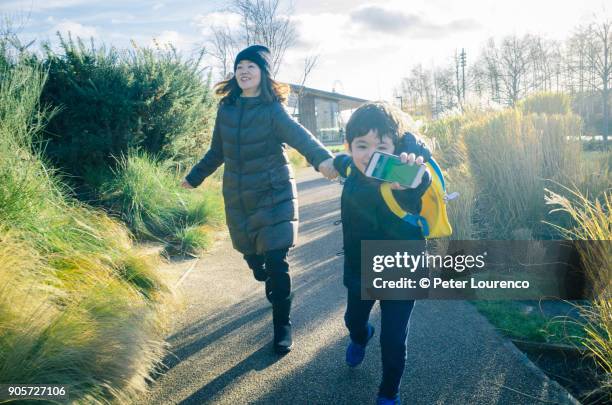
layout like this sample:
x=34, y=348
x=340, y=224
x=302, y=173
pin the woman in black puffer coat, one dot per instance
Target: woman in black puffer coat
x=251, y=130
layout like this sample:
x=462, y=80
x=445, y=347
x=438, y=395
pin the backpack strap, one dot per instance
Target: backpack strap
x=434, y=165
x=413, y=219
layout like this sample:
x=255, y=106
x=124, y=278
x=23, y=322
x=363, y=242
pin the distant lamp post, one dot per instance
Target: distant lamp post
x=401, y=100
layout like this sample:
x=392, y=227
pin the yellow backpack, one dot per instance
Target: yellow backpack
x=433, y=220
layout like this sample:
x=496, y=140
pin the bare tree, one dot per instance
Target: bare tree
x=310, y=62
x=223, y=48
x=490, y=65
x=477, y=77
x=418, y=89
x=263, y=22
x=600, y=58
x=509, y=71
x=509, y=66
x=576, y=72
x=409, y=93
x=575, y=60
x=544, y=57
x=445, y=90
x=515, y=68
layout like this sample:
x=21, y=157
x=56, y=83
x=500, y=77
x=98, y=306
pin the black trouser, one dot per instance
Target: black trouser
x=277, y=267
x=394, y=325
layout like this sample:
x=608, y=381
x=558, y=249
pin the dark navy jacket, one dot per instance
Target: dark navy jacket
x=366, y=216
x=258, y=183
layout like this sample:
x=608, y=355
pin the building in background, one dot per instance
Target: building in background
x=323, y=113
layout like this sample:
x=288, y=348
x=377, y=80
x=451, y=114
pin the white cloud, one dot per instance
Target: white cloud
x=157, y=6
x=369, y=54
x=123, y=19
x=216, y=19
x=326, y=31
x=76, y=29
x=399, y=20
x=39, y=5
x=168, y=37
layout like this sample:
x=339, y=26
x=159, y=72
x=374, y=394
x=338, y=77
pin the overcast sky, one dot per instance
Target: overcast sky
x=365, y=47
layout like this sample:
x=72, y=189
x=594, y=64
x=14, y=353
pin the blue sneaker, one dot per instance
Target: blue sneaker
x=388, y=401
x=356, y=352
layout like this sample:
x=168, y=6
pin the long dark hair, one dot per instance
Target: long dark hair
x=271, y=90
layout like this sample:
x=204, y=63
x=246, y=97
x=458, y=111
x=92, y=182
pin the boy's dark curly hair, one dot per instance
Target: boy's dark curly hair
x=381, y=117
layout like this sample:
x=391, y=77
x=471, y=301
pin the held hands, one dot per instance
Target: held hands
x=327, y=169
x=409, y=159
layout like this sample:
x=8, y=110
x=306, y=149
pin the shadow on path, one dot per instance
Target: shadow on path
x=259, y=360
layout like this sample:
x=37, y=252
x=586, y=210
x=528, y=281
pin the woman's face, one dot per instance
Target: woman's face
x=248, y=76
x=363, y=147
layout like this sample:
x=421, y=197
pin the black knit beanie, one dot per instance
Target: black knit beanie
x=258, y=54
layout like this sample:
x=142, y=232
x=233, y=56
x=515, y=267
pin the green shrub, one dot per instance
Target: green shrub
x=296, y=159
x=146, y=194
x=111, y=101
x=193, y=239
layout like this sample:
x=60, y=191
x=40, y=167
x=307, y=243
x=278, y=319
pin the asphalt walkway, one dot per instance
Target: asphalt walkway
x=222, y=350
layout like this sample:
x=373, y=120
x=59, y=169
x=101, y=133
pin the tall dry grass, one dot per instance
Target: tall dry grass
x=462, y=212
x=447, y=137
x=546, y=103
x=512, y=157
x=593, y=225
x=517, y=161
x=79, y=305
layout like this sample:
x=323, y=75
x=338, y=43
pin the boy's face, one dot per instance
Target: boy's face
x=363, y=147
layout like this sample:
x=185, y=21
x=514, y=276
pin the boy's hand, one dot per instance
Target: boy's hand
x=327, y=169
x=185, y=184
x=409, y=159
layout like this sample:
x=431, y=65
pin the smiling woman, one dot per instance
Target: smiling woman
x=251, y=130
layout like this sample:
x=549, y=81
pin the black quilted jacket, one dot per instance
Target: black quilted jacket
x=258, y=182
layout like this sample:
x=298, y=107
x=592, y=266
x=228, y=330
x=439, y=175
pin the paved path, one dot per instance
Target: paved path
x=222, y=350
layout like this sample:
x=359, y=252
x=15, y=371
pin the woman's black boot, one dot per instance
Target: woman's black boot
x=283, y=341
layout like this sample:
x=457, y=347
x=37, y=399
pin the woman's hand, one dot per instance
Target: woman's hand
x=327, y=169
x=185, y=184
x=408, y=159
